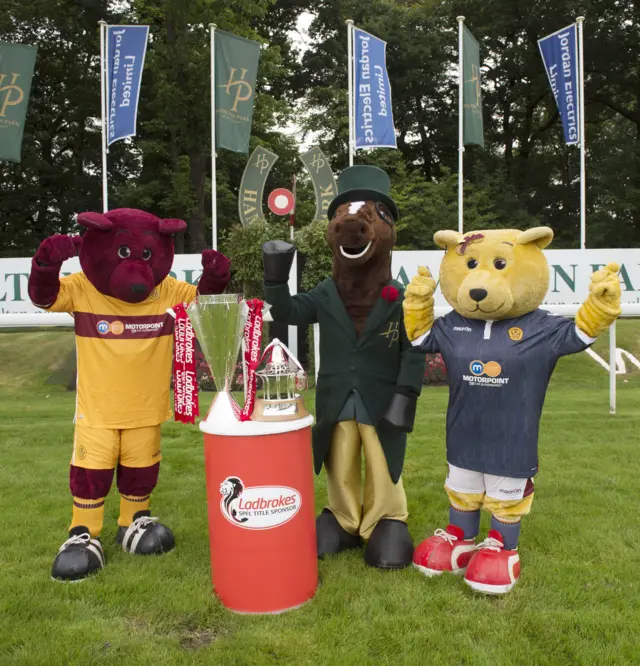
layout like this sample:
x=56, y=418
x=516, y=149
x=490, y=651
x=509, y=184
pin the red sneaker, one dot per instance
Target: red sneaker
x=446, y=550
x=493, y=570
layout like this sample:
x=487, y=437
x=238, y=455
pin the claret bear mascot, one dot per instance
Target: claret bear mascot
x=500, y=350
x=124, y=336
x=369, y=376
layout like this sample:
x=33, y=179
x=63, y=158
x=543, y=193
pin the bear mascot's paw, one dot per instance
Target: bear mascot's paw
x=145, y=536
x=418, y=304
x=46, y=264
x=602, y=306
x=78, y=557
x=215, y=272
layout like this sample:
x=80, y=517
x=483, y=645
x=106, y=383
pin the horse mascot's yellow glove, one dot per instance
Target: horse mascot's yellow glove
x=418, y=304
x=602, y=306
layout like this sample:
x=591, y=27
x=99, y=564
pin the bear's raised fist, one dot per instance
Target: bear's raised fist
x=216, y=272
x=55, y=250
x=418, y=304
x=216, y=263
x=605, y=284
x=602, y=306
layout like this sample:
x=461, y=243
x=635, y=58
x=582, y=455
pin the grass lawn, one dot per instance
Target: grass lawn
x=578, y=600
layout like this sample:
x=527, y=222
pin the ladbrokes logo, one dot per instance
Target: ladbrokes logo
x=258, y=507
x=485, y=374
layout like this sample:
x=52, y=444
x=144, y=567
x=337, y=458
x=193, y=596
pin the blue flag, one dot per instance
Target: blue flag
x=373, y=113
x=560, y=55
x=126, y=48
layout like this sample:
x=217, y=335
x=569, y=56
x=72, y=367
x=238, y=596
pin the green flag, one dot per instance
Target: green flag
x=472, y=94
x=16, y=71
x=236, y=71
x=324, y=183
x=252, y=185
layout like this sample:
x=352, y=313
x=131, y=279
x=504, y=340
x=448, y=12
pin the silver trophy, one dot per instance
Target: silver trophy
x=218, y=321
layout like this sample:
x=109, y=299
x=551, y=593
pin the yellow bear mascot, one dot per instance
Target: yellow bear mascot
x=500, y=350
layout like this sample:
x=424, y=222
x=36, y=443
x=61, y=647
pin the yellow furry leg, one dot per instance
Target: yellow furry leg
x=508, y=511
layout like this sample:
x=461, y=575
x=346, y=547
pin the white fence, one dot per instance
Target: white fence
x=29, y=320
x=570, y=272
x=628, y=310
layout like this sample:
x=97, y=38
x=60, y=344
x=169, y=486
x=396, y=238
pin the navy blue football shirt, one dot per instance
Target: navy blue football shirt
x=498, y=373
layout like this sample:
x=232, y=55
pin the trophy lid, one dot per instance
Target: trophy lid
x=279, y=361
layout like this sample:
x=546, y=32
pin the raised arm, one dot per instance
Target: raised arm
x=215, y=272
x=602, y=306
x=44, y=280
x=418, y=306
x=299, y=310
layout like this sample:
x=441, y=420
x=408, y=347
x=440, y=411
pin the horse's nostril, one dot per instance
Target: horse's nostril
x=478, y=294
x=138, y=288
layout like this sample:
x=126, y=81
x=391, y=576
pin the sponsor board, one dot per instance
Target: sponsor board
x=570, y=272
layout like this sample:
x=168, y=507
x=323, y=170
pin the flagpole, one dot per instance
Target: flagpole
x=583, y=169
x=214, y=186
x=293, y=273
x=103, y=105
x=350, y=69
x=460, y=126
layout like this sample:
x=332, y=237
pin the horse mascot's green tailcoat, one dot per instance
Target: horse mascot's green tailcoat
x=369, y=376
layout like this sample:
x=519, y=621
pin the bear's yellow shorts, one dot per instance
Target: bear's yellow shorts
x=103, y=448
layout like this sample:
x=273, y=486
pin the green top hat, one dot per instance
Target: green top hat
x=363, y=183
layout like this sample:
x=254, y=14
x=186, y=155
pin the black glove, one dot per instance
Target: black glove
x=401, y=413
x=277, y=257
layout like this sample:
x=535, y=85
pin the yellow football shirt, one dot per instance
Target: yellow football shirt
x=125, y=351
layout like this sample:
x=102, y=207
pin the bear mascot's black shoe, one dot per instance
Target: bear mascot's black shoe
x=145, y=536
x=78, y=557
x=331, y=537
x=390, y=545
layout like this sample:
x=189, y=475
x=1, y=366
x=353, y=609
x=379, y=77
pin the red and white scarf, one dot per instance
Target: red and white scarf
x=185, y=380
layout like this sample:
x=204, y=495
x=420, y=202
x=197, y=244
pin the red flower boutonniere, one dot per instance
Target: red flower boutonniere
x=390, y=294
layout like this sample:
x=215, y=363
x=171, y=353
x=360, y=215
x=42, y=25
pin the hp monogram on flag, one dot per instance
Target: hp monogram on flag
x=560, y=55
x=236, y=70
x=126, y=48
x=373, y=114
x=16, y=71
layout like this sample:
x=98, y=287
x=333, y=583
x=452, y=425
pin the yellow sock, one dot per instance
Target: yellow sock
x=89, y=513
x=129, y=506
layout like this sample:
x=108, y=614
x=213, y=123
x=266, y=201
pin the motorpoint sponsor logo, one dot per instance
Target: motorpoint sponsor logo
x=491, y=369
x=485, y=374
x=118, y=327
x=144, y=328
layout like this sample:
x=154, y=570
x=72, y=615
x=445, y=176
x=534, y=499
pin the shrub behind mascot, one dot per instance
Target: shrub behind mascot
x=369, y=376
x=500, y=350
x=124, y=342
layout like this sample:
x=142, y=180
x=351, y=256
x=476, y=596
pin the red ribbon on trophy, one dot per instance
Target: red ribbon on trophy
x=185, y=380
x=252, y=338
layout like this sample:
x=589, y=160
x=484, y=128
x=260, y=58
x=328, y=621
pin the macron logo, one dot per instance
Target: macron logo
x=466, y=329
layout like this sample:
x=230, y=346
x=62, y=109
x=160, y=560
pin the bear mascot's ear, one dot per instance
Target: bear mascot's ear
x=171, y=226
x=541, y=236
x=446, y=239
x=94, y=221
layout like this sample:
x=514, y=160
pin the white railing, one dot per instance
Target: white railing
x=48, y=319
x=566, y=310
